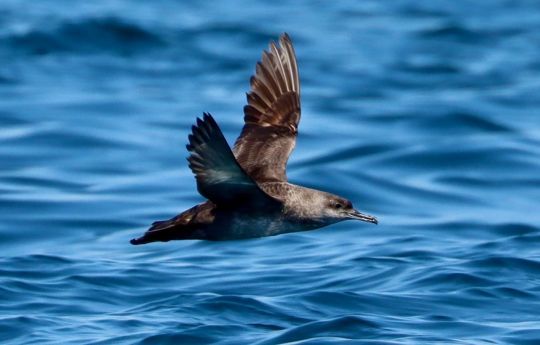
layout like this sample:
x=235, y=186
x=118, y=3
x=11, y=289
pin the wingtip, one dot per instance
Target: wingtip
x=200, y=121
x=210, y=120
x=285, y=38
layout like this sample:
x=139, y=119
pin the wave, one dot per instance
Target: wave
x=460, y=32
x=424, y=116
x=92, y=35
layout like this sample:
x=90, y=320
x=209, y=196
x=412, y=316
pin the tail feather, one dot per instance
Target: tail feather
x=182, y=227
x=162, y=224
x=162, y=231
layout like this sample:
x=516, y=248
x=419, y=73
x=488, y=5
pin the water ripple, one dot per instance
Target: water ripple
x=422, y=113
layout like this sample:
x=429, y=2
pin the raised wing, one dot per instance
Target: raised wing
x=271, y=116
x=219, y=176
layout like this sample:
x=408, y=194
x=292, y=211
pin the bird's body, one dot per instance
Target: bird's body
x=207, y=221
x=247, y=189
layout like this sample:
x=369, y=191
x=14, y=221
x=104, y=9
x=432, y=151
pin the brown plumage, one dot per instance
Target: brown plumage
x=271, y=115
x=247, y=189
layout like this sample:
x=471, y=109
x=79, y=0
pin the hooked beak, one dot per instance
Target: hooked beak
x=354, y=214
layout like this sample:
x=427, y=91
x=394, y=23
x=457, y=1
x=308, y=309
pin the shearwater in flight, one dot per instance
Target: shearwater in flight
x=246, y=187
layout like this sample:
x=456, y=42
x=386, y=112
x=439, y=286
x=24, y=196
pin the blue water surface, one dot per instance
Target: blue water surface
x=423, y=113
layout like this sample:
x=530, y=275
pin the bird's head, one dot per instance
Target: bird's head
x=336, y=209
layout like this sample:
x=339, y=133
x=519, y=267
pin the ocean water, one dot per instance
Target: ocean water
x=423, y=113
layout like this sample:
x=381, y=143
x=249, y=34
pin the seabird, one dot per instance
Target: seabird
x=246, y=187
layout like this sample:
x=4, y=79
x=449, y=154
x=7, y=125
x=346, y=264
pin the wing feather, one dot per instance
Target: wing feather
x=219, y=176
x=271, y=115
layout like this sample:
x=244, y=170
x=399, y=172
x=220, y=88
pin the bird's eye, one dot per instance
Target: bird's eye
x=338, y=205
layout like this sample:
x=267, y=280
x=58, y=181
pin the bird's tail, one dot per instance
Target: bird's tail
x=182, y=227
x=160, y=231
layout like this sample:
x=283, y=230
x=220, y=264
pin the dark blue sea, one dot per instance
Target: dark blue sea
x=423, y=113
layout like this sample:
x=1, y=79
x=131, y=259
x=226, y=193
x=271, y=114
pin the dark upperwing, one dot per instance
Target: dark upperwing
x=219, y=176
x=271, y=116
